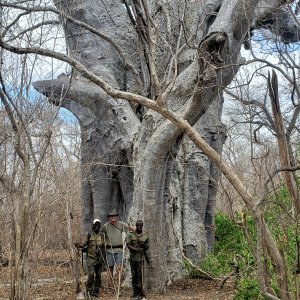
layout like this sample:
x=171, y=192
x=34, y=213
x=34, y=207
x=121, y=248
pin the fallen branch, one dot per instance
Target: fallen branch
x=207, y=275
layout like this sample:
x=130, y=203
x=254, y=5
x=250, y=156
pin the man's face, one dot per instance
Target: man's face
x=113, y=219
x=97, y=227
x=139, y=227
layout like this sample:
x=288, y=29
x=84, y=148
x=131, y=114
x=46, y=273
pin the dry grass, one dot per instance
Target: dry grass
x=55, y=281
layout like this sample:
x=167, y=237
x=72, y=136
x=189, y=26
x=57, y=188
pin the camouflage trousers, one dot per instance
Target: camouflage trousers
x=93, y=283
x=137, y=277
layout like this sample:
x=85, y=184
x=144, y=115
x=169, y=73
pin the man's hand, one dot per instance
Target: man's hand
x=78, y=245
x=130, y=247
x=139, y=250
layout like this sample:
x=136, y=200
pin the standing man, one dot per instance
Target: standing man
x=94, y=242
x=114, y=231
x=137, y=243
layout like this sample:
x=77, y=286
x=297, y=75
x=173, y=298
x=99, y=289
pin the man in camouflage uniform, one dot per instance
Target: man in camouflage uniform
x=137, y=243
x=94, y=241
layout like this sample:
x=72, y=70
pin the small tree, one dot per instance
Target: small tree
x=26, y=123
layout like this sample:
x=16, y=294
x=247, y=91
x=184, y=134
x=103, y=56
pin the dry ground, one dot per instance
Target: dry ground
x=57, y=282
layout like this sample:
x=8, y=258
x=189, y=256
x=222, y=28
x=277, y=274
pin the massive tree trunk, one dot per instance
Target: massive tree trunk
x=181, y=54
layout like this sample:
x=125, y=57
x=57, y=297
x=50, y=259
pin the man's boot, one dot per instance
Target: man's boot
x=96, y=293
x=88, y=295
x=135, y=293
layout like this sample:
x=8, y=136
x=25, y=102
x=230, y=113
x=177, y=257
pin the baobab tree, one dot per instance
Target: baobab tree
x=143, y=72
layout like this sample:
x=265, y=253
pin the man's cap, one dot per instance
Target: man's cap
x=96, y=220
x=139, y=222
x=112, y=213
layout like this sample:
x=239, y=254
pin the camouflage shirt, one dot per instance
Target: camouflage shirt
x=138, y=241
x=94, y=242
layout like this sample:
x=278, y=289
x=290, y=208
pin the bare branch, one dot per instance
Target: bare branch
x=29, y=29
x=81, y=24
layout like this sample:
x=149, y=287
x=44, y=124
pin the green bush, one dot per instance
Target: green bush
x=247, y=289
x=232, y=249
x=231, y=245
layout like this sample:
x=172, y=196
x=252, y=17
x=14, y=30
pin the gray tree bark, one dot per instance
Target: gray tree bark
x=181, y=54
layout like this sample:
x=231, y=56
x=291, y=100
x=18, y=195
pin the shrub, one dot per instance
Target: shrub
x=247, y=289
x=235, y=245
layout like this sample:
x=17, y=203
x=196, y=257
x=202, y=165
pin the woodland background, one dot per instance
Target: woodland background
x=253, y=248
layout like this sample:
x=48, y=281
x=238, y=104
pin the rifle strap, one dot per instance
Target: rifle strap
x=118, y=227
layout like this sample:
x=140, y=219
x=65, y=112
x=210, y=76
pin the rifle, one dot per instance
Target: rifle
x=147, y=257
x=142, y=273
x=80, y=290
